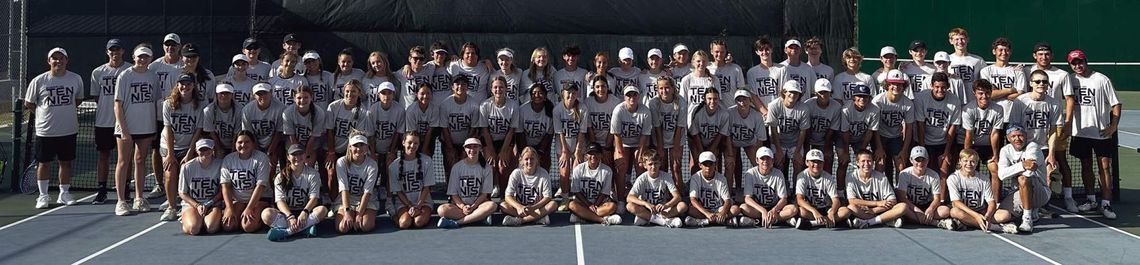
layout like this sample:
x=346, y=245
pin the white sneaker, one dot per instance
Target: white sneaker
x=638, y=221
x=574, y=219
x=511, y=221
x=1107, y=212
x=857, y=223
x=613, y=219
x=674, y=222
x=122, y=208
x=1087, y=206
x=164, y=205
x=141, y=205
x=496, y=193
x=42, y=201
x=947, y=224
x=1026, y=226
x=1071, y=205
x=168, y=215
x=795, y=222
x=690, y=221
x=156, y=192
x=1009, y=228
x=746, y=221
x=731, y=222
x=544, y=221
x=65, y=198
x=897, y=223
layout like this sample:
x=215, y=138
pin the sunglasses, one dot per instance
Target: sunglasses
x=417, y=58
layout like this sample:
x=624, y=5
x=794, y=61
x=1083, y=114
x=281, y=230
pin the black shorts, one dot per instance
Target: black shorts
x=160, y=128
x=104, y=138
x=934, y=150
x=50, y=148
x=136, y=137
x=1083, y=148
x=985, y=153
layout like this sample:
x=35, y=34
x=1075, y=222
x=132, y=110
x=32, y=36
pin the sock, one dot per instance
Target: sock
x=43, y=185
x=1027, y=216
x=1091, y=198
x=657, y=219
x=816, y=223
x=1068, y=192
x=875, y=221
x=1104, y=203
x=64, y=188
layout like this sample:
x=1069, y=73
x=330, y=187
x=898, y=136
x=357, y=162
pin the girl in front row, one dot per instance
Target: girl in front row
x=410, y=179
x=198, y=188
x=297, y=194
x=356, y=175
x=244, y=180
x=528, y=197
x=469, y=188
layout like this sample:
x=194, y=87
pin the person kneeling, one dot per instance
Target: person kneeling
x=297, y=193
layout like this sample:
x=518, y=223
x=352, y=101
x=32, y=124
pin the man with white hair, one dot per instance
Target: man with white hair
x=1022, y=160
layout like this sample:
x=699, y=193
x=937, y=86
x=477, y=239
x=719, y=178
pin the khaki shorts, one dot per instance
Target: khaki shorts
x=1013, y=203
x=354, y=203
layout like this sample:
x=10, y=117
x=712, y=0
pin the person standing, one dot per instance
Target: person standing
x=54, y=95
x=102, y=87
x=1094, y=111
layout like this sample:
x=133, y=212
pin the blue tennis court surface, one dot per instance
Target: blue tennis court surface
x=92, y=234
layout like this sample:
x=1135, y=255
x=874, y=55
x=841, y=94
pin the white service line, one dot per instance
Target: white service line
x=1095, y=222
x=117, y=244
x=44, y=213
x=1128, y=132
x=578, y=243
x=1030, y=251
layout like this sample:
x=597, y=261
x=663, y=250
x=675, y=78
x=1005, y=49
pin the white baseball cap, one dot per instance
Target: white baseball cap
x=680, y=47
x=357, y=139
x=653, y=52
x=625, y=53
x=896, y=76
x=262, y=87
x=172, y=37
x=792, y=85
x=311, y=55
x=59, y=50
x=204, y=143
x=814, y=155
x=143, y=50
x=223, y=87
x=764, y=151
x=628, y=89
x=791, y=42
x=505, y=52
x=941, y=56
x=239, y=57
x=887, y=50
x=472, y=141
x=387, y=86
x=822, y=85
x=917, y=152
x=707, y=156
x=741, y=93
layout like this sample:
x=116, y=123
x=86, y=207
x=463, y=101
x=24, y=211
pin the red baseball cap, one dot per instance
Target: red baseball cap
x=1076, y=54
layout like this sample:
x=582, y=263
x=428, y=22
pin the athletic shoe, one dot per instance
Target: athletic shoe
x=857, y=223
x=1026, y=226
x=141, y=205
x=1087, y=206
x=277, y=234
x=638, y=221
x=168, y=215
x=613, y=219
x=496, y=193
x=730, y=222
x=444, y=222
x=122, y=208
x=312, y=231
x=1071, y=205
x=796, y=222
x=42, y=201
x=1009, y=228
x=958, y=224
x=746, y=221
x=574, y=218
x=564, y=206
x=164, y=205
x=1107, y=212
x=674, y=222
x=897, y=223
x=947, y=224
x=544, y=221
x=511, y=221
x=156, y=192
x=65, y=198
x=697, y=222
x=487, y=221
x=100, y=198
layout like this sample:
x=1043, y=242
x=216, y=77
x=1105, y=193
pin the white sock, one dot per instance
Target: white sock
x=1104, y=203
x=43, y=185
x=1091, y=198
x=64, y=188
x=657, y=219
x=1068, y=192
x=816, y=223
x=1027, y=216
x=875, y=221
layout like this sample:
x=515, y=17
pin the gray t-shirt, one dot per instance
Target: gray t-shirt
x=974, y=191
x=654, y=190
x=258, y=71
x=499, y=120
x=385, y=125
x=626, y=78
x=297, y=68
x=356, y=179
x=283, y=88
x=875, y=188
x=859, y=123
x=139, y=95
x=182, y=122
x=709, y=126
x=478, y=77
x=339, y=79
x=921, y=190
x=648, y=85
x=514, y=89
x=370, y=88
x=892, y=115
x=789, y=122
x=816, y=190
x=730, y=78
x=1037, y=118
x=342, y=121
x=591, y=182
x=918, y=77
x=440, y=82
x=711, y=193
x=412, y=86
x=670, y=117
x=470, y=181
x=693, y=89
x=631, y=126
x=845, y=84
x=306, y=186
x=529, y=189
x=103, y=86
x=243, y=90
x=1007, y=78
x=547, y=82
x=459, y=117
x=822, y=120
x=936, y=115
x=245, y=175
x=410, y=177
x=262, y=123
x=746, y=131
x=420, y=120
x=534, y=125
x=765, y=82
x=802, y=73
x=224, y=123
x=563, y=78
x=767, y=189
x=981, y=121
x=200, y=182
x=967, y=67
x=321, y=84
x=306, y=127
x=567, y=126
x=56, y=99
x=599, y=116
x=822, y=71
x=167, y=73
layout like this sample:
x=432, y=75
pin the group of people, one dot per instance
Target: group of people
x=286, y=144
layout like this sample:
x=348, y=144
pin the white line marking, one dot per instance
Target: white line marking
x=44, y=213
x=1095, y=222
x=1061, y=63
x=578, y=242
x=1030, y=251
x=1128, y=132
x=125, y=240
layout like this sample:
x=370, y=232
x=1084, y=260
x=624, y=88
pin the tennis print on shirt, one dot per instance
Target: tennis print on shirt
x=972, y=198
x=918, y=193
x=983, y=127
x=243, y=179
x=658, y=195
x=535, y=129
x=669, y=120
x=458, y=122
x=342, y=126
x=527, y=194
x=387, y=129
x=709, y=198
x=765, y=194
x=142, y=92
x=591, y=187
x=203, y=187
x=741, y=132
x=849, y=89
x=107, y=86
x=964, y=72
x=571, y=127
x=794, y=76
x=818, y=198
x=263, y=127
x=936, y=117
x=355, y=184
x=820, y=123
x=1086, y=96
x=411, y=181
x=697, y=94
x=866, y=194
x=600, y=121
x=297, y=196
x=1036, y=119
x=630, y=129
x=708, y=130
x=183, y=123
x=498, y=125
x=891, y=118
x=321, y=92
x=60, y=95
x=788, y=124
x=470, y=186
x=767, y=86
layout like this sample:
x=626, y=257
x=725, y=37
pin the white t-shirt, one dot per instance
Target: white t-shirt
x=470, y=181
x=765, y=82
x=542, y=78
x=499, y=120
x=478, y=77
x=936, y=115
x=341, y=121
x=440, y=82
x=767, y=189
x=859, y=123
x=200, y=182
x=297, y=68
x=1059, y=82
x=385, y=125
x=529, y=189
x=243, y=90
x=591, y=182
x=370, y=88
x=711, y=193
x=964, y=93
x=1010, y=162
x=1038, y=119
x=631, y=126
x=746, y=131
x=246, y=174
x=625, y=78
x=974, y=191
x=822, y=70
x=730, y=78
x=693, y=88
x=1006, y=78
x=567, y=127
x=654, y=190
x=1094, y=96
x=139, y=94
x=981, y=121
x=356, y=179
x=306, y=127
x=459, y=117
x=708, y=126
x=56, y=100
x=403, y=177
x=283, y=88
x=918, y=77
x=515, y=92
x=258, y=71
x=789, y=122
x=419, y=120
x=648, y=85
x=321, y=85
x=816, y=190
x=103, y=86
x=802, y=73
x=339, y=79
x=182, y=122
x=968, y=67
x=599, y=115
x=564, y=78
x=670, y=118
x=875, y=188
x=167, y=73
x=224, y=123
x=262, y=123
x=534, y=125
x=921, y=190
x=822, y=120
x=892, y=115
x=306, y=186
x=845, y=84
x=412, y=86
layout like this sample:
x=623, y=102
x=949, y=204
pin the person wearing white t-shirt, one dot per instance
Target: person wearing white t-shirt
x=860, y=131
x=974, y=201
x=469, y=190
x=289, y=44
x=896, y=122
x=670, y=122
x=709, y=199
x=1020, y=160
x=258, y=70
x=199, y=190
x=477, y=75
x=136, y=105
x=1095, y=117
x=963, y=64
x=528, y=197
x=627, y=72
x=729, y=75
x=512, y=75
x=871, y=197
x=593, y=198
x=787, y=121
x=708, y=128
x=631, y=126
x=766, y=78
x=417, y=72
x=181, y=117
x=814, y=49
x=766, y=195
x=570, y=72
x=102, y=87
x=601, y=64
x=852, y=79
x=654, y=198
x=824, y=117
x=55, y=96
x=1009, y=81
x=649, y=77
x=242, y=84
x=816, y=195
x=319, y=81
x=344, y=72
x=296, y=197
x=245, y=185
x=679, y=63
x=169, y=66
x=889, y=59
x=747, y=131
x=356, y=176
x=599, y=107
x=541, y=71
x=410, y=181
x=797, y=70
x=958, y=89
x=917, y=69
x=1059, y=82
x=923, y=191
x=936, y=113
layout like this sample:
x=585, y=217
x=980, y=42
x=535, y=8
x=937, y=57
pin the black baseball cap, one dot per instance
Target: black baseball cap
x=915, y=45
x=251, y=44
x=113, y=43
x=185, y=78
x=189, y=50
x=290, y=37
x=460, y=79
x=1042, y=46
x=594, y=148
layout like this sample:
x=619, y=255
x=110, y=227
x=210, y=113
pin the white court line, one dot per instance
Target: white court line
x=578, y=243
x=44, y=213
x=121, y=242
x=1128, y=132
x=1095, y=222
x=1030, y=251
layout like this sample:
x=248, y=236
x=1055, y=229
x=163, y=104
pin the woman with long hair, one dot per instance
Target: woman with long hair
x=356, y=175
x=180, y=115
x=345, y=115
x=600, y=109
x=540, y=71
x=379, y=71
x=222, y=119
x=244, y=181
x=669, y=126
x=304, y=124
x=528, y=197
x=411, y=179
x=136, y=94
x=571, y=126
x=320, y=81
x=198, y=189
x=203, y=78
x=511, y=75
x=297, y=196
x=344, y=72
x=500, y=116
x=468, y=192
